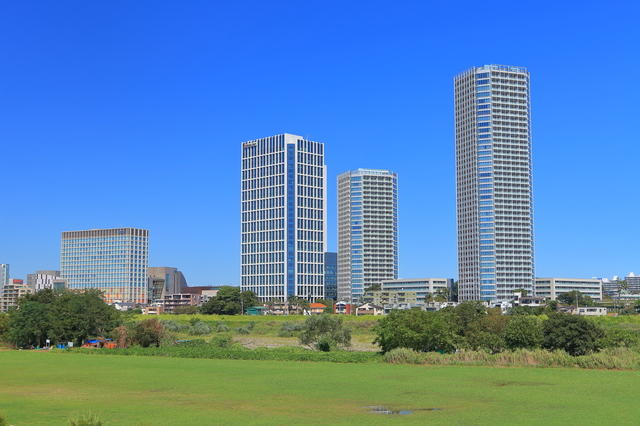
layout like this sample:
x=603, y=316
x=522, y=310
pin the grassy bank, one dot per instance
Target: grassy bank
x=47, y=388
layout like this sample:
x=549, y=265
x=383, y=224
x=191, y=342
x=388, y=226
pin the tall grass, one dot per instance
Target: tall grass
x=610, y=358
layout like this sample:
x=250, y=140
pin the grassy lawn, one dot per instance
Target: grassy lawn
x=47, y=388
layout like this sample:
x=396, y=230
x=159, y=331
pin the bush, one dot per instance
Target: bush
x=290, y=329
x=148, y=332
x=404, y=356
x=619, y=338
x=223, y=341
x=86, y=420
x=243, y=330
x=325, y=332
x=572, y=333
x=199, y=328
x=485, y=340
x=523, y=332
x=418, y=330
x=174, y=326
x=3, y=420
x=222, y=328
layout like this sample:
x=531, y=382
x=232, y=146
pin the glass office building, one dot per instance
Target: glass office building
x=283, y=213
x=367, y=231
x=331, y=275
x=493, y=176
x=114, y=261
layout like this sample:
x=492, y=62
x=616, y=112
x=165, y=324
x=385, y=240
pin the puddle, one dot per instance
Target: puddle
x=377, y=409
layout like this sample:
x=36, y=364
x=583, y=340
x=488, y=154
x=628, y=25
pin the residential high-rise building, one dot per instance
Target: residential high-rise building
x=41, y=280
x=12, y=290
x=4, y=274
x=114, y=261
x=283, y=217
x=331, y=275
x=164, y=281
x=493, y=171
x=367, y=231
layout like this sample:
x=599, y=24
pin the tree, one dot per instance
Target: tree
x=442, y=295
x=570, y=298
x=188, y=310
x=61, y=316
x=486, y=331
x=523, y=332
x=572, y=333
x=416, y=329
x=148, y=332
x=464, y=314
x=325, y=332
x=522, y=291
x=229, y=301
x=298, y=303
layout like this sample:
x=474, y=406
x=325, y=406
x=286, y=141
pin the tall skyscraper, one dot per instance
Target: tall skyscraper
x=331, y=275
x=367, y=231
x=114, y=261
x=283, y=217
x=4, y=274
x=493, y=170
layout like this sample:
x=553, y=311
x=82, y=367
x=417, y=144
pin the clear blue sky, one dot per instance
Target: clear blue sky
x=131, y=113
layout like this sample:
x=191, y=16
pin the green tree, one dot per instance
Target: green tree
x=522, y=291
x=442, y=295
x=572, y=333
x=229, y=301
x=486, y=331
x=524, y=332
x=464, y=314
x=297, y=304
x=325, y=332
x=148, y=332
x=416, y=329
x=4, y=325
x=571, y=297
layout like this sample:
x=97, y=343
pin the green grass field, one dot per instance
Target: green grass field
x=47, y=388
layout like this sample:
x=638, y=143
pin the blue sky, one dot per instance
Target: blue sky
x=127, y=113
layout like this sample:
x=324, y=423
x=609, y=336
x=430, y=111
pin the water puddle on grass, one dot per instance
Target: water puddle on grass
x=378, y=409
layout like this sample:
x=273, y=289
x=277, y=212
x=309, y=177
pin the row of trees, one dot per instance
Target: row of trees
x=471, y=326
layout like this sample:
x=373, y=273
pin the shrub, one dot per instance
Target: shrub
x=174, y=326
x=222, y=328
x=325, y=332
x=619, y=338
x=572, y=333
x=148, y=332
x=290, y=329
x=86, y=420
x=243, y=330
x=199, y=328
x=523, y=332
x=223, y=341
x=403, y=356
x=3, y=420
x=485, y=340
x=418, y=330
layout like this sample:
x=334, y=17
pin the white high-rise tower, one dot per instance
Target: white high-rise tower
x=283, y=217
x=493, y=170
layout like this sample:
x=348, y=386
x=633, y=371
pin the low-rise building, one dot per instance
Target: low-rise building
x=551, y=288
x=421, y=286
x=12, y=290
x=316, y=308
x=632, y=283
x=344, y=308
x=590, y=311
x=392, y=297
x=172, y=301
x=41, y=280
x=369, y=309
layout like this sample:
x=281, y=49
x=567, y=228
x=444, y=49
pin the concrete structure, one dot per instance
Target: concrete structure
x=114, y=261
x=164, y=281
x=171, y=301
x=611, y=287
x=632, y=283
x=12, y=290
x=367, y=231
x=331, y=275
x=422, y=286
x=4, y=274
x=493, y=176
x=592, y=311
x=369, y=309
x=393, y=297
x=283, y=216
x=41, y=280
x=551, y=288
x=344, y=308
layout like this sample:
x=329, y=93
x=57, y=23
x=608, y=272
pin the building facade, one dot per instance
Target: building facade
x=114, y=261
x=423, y=287
x=331, y=275
x=164, y=281
x=4, y=274
x=12, y=290
x=283, y=215
x=367, y=231
x=551, y=288
x=41, y=280
x=632, y=282
x=493, y=177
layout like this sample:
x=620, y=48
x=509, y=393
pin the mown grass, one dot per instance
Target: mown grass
x=41, y=388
